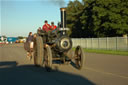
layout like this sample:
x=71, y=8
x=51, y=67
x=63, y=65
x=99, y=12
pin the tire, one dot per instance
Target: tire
x=38, y=51
x=79, y=57
x=48, y=58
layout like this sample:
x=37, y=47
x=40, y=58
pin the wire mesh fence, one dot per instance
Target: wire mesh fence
x=107, y=43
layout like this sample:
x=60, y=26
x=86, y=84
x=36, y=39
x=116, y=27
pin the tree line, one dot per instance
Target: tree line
x=97, y=18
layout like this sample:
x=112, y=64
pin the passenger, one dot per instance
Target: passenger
x=53, y=27
x=39, y=30
x=46, y=27
x=30, y=43
x=30, y=37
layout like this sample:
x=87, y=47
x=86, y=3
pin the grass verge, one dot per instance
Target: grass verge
x=113, y=52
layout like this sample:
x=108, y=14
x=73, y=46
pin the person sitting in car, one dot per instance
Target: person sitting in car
x=46, y=27
x=53, y=27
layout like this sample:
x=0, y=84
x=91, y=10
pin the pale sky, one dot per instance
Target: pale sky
x=19, y=17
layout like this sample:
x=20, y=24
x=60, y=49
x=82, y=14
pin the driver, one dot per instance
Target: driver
x=46, y=27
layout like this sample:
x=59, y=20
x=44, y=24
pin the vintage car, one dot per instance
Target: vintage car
x=56, y=45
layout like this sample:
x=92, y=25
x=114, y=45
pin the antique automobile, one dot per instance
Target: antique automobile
x=56, y=45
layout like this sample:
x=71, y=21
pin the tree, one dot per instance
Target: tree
x=74, y=11
x=110, y=17
x=98, y=18
x=87, y=18
x=20, y=37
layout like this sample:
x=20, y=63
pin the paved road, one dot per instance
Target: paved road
x=99, y=69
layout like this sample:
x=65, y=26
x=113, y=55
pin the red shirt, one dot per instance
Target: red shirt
x=46, y=27
x=53, y=27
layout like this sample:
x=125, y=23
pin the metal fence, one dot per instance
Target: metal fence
x=108, y=43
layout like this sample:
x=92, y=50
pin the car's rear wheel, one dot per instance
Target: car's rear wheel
x=38, y=51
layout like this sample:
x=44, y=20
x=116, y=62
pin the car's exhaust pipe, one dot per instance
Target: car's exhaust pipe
x=63, y=20
x=63, y=17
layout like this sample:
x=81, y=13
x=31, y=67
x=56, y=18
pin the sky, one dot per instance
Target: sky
x=19, y=17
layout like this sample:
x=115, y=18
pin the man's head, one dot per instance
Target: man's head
x=52, y=23
x=39, y=28
x=45, y=21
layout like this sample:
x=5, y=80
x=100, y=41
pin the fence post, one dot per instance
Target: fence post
x=91, y=43
x=116, y=43
x=127, y=43
x=106, y=43
x=98, y=43
x=80, y=42
x=86, y=43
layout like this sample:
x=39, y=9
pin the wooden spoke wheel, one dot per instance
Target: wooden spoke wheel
x=79, y=57
x=48, y=58
x=38, y=51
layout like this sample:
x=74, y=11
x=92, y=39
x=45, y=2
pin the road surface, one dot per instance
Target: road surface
x=99, y=69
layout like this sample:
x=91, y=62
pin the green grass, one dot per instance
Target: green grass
x=113, y=52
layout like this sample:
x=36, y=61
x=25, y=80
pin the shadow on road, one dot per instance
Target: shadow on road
x=11, y=74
